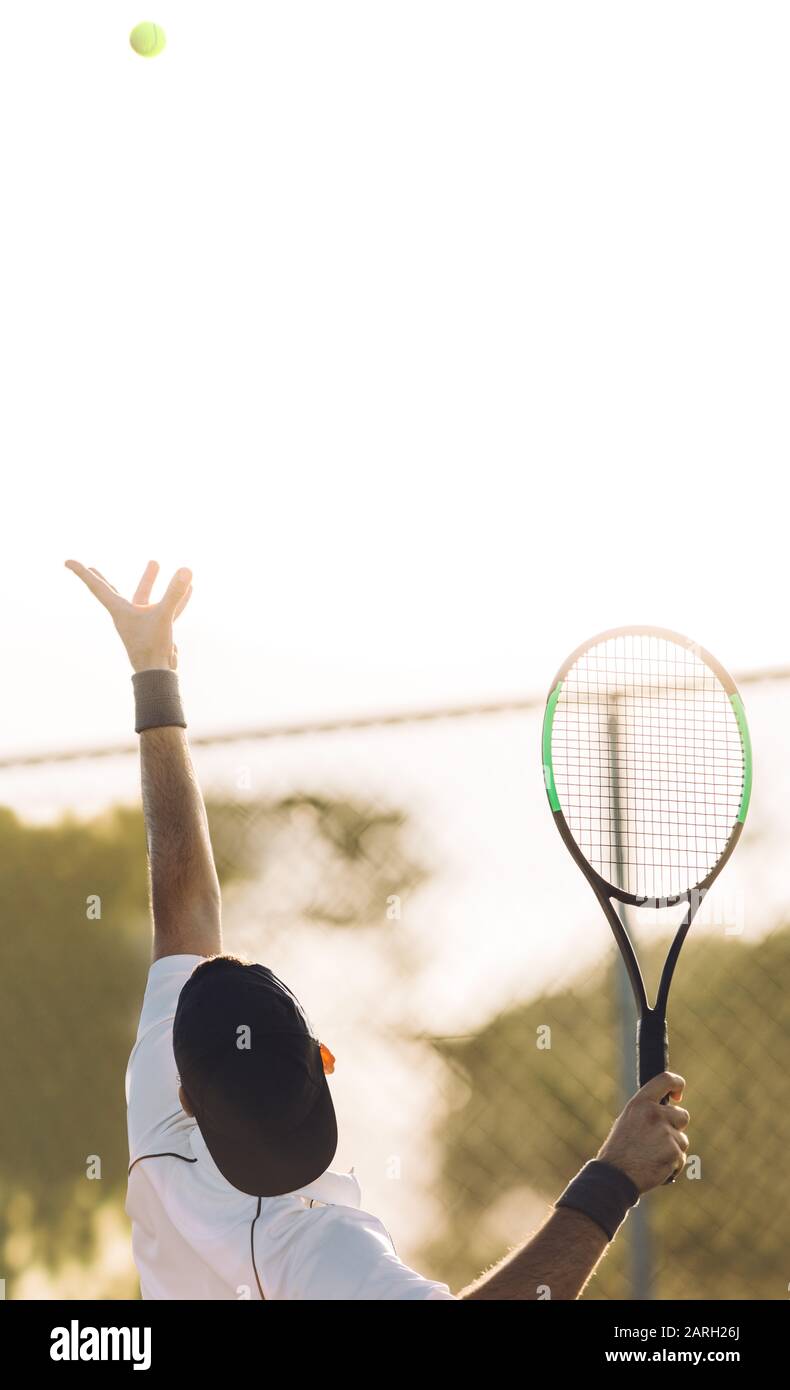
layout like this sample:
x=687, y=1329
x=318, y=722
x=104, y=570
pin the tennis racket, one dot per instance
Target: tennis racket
x=648, y=771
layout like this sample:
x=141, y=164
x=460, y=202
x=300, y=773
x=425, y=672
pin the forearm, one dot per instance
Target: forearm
x=185, y=897
x=556, y=1263
x=184, y=886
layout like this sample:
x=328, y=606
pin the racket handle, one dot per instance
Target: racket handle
x=652, y=1046
x=652, y=1054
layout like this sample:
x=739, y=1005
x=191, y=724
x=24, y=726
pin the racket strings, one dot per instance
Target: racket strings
x=648, y=764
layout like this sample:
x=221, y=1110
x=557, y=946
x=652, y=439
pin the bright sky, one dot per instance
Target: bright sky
x=434, y=336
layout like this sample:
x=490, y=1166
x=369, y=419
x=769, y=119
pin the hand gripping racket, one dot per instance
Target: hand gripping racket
x=648, y=770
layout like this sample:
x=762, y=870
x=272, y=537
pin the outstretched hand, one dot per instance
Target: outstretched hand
x=145, y=628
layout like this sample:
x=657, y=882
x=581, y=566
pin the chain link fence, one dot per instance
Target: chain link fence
x=405, y=878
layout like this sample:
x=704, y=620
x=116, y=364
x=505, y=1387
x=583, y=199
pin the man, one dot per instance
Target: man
x=231, y=1124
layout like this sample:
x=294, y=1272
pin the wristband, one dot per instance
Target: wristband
x=157, y=702
x=603, y=1193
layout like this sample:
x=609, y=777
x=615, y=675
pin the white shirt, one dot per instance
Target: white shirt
x=196, y=1237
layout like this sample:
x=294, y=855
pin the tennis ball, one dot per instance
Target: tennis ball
x=147, y=39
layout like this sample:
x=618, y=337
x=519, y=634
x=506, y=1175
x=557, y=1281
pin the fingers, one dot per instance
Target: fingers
x=103, y=591
x=101, y=576
x=182, y=603
x=176, y=592
x=142, y=593
x=666, y=1083
x=682, y=1148
x=143, y=590
x=678, y=1169
x=676, y=1119
x=175, y=600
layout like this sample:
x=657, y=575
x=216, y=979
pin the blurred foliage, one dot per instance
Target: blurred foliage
x=73, y=986
x=512, y=1121
x=322, y=860
x=524, y=1119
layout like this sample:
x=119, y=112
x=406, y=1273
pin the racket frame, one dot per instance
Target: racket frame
x=652, y=1037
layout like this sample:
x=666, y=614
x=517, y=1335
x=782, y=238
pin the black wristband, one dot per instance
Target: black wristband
x=603, y=1193
x=157, y=702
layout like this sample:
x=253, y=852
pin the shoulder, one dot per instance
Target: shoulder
x=336, y=1253
x=166, y=979
x=156, y=1121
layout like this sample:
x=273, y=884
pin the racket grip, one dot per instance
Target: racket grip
x=652, y=1054
x=652, y=1046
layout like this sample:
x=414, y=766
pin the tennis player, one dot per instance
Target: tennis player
x=232, y=1129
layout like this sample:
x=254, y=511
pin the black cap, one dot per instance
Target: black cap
x=253, y=1072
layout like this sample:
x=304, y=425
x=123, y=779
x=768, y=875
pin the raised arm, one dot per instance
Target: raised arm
x=185, y=898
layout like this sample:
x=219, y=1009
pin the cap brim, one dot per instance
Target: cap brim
x=253, y=1165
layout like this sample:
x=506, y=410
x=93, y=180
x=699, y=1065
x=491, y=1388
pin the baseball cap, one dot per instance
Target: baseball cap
x=252, y=1069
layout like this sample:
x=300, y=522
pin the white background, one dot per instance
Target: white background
x=435, y=337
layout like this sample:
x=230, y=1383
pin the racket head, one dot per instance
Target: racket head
x=647, y=764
